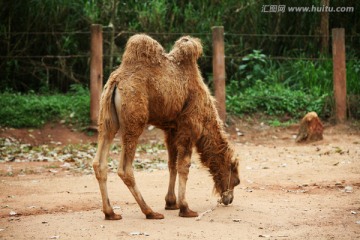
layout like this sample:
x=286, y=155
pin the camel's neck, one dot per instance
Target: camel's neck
x=213, y=148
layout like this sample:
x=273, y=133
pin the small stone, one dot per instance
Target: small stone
x=348, y=189
x=12, y=213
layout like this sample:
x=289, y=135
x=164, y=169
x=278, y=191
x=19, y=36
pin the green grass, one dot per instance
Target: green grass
x=289, y=88
x=273, y=100
x=32, y=110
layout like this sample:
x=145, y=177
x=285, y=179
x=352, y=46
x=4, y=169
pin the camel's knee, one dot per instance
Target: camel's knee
x=127, y=178
x=96, y=167
x=184, y=168
x=100, y=171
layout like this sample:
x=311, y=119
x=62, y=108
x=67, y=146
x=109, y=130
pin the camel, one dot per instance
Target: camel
x=166, y=90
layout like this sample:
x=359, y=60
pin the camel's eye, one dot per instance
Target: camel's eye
x=236, y=182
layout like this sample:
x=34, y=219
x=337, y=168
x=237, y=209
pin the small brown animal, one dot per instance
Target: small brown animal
x=165, y=90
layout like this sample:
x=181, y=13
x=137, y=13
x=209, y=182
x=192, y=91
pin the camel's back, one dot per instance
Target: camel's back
x=160, y=90
x=153, y=83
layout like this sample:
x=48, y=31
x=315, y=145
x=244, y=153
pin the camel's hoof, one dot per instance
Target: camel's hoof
x=188, y=213
x=172, y=207
x=154, y=215
x=112, y=216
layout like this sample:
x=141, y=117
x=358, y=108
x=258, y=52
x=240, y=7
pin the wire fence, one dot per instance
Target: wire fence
x=6, y=36
x=56, y=66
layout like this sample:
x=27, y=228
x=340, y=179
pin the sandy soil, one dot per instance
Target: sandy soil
x=287, y=191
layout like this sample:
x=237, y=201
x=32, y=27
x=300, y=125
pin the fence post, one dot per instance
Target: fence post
x=219, y=69
x=96, y=72
x=339, y=73
x=324, y=28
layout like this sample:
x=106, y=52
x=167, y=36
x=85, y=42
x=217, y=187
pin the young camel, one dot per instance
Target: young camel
x=165, y=90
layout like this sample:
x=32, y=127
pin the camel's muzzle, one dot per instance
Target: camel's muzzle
x=227, y=197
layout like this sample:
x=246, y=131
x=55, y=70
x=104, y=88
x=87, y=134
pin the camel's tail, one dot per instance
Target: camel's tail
x=107, y=119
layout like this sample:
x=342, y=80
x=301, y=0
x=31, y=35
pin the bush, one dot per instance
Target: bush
x=32, y=110
x=272, y=99
x=290, y=88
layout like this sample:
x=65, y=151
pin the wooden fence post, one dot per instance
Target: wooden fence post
x=339, y=73
x=219, y=69
x=96, y=72
x=324, y=28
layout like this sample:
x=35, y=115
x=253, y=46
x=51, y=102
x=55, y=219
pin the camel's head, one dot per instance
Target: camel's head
x=186, y=49
x=229, y=179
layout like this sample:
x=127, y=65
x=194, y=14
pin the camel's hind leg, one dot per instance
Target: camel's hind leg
x=132, y=123
x=126, y=173
x=100, y=165
x=170, y=198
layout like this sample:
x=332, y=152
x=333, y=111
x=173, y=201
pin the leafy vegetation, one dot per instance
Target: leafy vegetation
x=32, y=29
x=274, y=61
x=33, y=110
x=288, y=88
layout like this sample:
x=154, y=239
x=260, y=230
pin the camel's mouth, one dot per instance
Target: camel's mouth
x=227, y=197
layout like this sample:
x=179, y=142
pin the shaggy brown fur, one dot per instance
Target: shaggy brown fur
x=311, y=129
x=167, y=91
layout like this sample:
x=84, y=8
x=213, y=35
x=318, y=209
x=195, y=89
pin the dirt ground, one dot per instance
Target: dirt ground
x=287, y=191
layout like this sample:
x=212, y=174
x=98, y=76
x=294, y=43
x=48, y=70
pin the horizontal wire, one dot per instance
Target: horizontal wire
x=205, y=56
x=182, y=33
x=45, y=56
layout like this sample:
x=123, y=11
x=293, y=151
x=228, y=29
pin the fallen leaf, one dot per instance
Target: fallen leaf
x=264, y=236
x=139, y=234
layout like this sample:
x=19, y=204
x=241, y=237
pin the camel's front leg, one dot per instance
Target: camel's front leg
x=183, y=165
x=100, y=168
x=170, y=198
x=126, y=173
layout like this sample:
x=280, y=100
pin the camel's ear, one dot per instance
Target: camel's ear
x=235, y=162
